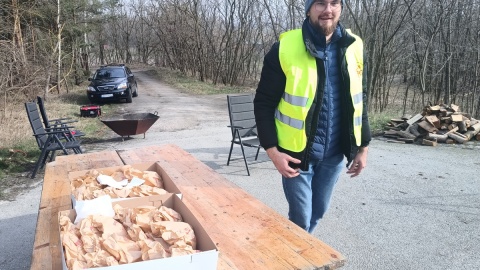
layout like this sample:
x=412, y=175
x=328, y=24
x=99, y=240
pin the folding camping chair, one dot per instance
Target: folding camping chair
x=49, y=140
x=242, y=124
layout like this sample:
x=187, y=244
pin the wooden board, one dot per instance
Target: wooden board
x=249, y=234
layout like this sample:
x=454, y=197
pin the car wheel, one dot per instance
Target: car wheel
x=129, y=97
x=135, y=94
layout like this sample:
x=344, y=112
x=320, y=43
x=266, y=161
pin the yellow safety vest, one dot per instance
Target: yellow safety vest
x=300, y=69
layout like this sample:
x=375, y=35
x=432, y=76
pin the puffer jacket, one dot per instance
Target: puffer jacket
x=272, y=86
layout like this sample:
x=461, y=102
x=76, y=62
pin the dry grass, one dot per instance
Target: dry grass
x=15, y=128
x=17, y=133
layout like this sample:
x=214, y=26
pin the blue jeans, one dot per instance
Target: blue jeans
x=308, y=194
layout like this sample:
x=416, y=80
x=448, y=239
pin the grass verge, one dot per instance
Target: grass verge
x=378, y=121
x=193, y=86
x=18, y=148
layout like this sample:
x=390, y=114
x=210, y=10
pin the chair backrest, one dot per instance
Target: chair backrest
x=240, y=109
x=36, y=123
x=43, y=112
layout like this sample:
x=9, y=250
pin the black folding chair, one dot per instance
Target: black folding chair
x=49, y=140
x=242, y=124
x=59, y=122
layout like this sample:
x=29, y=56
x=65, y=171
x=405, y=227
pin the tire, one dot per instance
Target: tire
x=135, y=94
x=129, y=97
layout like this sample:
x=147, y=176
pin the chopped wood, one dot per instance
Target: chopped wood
x=414, y=119
x=457, y=117
x=443, y=112
x=402, y=126
x=457, y=138
x=454, y=107
x=395, y=128
x=433, y=120
x=394, y=141
x=453, y=126
x=459, y=134
x=405, y=140
x=405, y=134
x=436, y=137
x=439, y=123
x=427, y=126
x=391, y=132
x=447, y=120
x=414, y=130
x=397, y=121
x=429, y=143
x=471, y=133
x=455, y=129
x=475, y=127
x=468, y=123
x=390, y=136
x=462, y=126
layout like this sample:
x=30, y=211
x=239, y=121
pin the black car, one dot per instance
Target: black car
x=112, y=83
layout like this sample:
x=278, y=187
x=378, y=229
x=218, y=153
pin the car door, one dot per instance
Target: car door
x=130, y=77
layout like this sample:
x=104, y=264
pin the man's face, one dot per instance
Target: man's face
x=324, y=15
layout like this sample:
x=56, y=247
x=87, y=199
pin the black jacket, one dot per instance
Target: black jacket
x=272, y=86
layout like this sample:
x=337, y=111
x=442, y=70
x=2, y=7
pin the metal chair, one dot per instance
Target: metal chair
x=49, y=140
x=242, y=124
x=59, y=122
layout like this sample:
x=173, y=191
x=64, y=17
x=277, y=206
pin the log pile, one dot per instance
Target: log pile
x=436, y=124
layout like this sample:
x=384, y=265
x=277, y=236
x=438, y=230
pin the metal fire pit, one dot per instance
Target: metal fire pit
x=131, y=124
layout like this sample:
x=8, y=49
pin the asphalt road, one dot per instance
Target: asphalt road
x=413, y=207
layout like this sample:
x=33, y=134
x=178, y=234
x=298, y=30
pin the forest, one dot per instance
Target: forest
x=419, y=52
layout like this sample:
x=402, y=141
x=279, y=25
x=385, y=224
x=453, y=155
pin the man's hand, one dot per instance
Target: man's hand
x=359, y=162
x=280, y=160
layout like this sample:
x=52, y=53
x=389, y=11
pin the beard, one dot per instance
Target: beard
x=325, y=29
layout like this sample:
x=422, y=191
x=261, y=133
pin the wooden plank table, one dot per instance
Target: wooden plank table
x=248, y=234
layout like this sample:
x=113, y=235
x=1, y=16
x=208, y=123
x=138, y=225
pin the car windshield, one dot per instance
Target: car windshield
x=110, y=73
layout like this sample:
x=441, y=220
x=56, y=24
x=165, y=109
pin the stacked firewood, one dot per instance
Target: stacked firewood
x=436, y=124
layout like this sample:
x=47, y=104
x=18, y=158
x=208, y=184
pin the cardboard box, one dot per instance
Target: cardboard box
x=205, y=260
x=168, y=184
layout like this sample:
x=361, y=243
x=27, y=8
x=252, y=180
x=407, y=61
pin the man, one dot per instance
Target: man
x=310, y=109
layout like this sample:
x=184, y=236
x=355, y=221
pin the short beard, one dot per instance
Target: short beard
x=326, y=30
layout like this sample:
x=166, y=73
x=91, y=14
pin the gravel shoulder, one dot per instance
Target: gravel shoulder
x=413, y=207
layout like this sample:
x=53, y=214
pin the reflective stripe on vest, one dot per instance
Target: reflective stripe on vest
x=300, y=69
